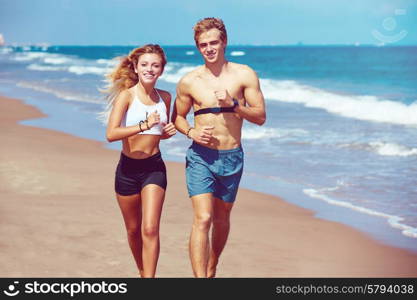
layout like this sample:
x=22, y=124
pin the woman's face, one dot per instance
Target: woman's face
x=149, y=67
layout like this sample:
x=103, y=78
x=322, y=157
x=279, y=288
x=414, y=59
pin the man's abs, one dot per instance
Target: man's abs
x=227, y=130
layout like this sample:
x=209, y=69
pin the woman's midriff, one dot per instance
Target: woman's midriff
x=141, y=146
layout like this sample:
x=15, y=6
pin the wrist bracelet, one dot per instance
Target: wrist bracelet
x=235, y=103
x=140, y=126
x=188, y=132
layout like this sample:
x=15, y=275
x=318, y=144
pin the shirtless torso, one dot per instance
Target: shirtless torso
x=198, y=90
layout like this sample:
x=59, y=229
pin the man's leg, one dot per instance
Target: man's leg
x=220, y=232
x=199, y=239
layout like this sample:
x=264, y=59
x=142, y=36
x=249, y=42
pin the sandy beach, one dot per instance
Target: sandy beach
x=59, y=218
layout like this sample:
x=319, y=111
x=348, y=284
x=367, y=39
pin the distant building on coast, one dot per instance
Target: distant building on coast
x=1, y=40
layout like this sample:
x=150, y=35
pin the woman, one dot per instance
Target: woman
x=139, y=117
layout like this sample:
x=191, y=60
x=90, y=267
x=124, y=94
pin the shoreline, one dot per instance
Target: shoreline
x=61, y=116
x=69, y=212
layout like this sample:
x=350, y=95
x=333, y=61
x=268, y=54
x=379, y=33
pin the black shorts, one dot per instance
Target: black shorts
x=133, y=174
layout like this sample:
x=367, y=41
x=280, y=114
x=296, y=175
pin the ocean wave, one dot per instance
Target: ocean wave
x=29, y=56
x=237, y=53
x=59, y=93
x=254, y=133
x=175, y=74
x=5, y=50
x=189, y=52
x=383, y=148
x=37, y=67
x=392, y=149
x=393, y=221
x=259, y=133
x=368, y=108
x=57, y=60
x=80, y=70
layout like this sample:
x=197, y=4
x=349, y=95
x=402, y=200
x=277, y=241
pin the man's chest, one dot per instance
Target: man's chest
x=203, y=91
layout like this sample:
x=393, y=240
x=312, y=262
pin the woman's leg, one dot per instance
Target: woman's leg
x=132, y=215
x=152, y=196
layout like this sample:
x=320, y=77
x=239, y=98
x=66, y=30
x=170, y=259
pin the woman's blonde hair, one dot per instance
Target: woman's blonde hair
x=124, y=76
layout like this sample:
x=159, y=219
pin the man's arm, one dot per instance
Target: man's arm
x=252, y=93
x=182, y=106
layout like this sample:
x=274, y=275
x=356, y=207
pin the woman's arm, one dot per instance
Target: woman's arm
x=169, y=129
x=114, y=131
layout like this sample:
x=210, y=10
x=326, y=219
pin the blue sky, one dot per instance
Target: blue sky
x=249, y=22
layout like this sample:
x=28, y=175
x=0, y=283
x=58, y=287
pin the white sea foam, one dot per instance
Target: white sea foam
x=103, y=61
x=60, y=94
x=175, y=76
x=369, y=108
x=57, y=60
x=237, y=53
x=259, y=133
x=38, y=67
x=80, y=70
x=392, y=149
x=383, y=148
x=253, y=133
x=5, y=50
x=29, y=56
x=189, y=53
x=107, y=62
x=393, y=221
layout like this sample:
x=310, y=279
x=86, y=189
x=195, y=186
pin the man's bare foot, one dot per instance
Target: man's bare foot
x=211, y=268
x=211, y=273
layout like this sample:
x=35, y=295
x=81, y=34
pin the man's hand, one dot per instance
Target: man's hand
x=225, y=100
x=202, y=135
x=169, y=129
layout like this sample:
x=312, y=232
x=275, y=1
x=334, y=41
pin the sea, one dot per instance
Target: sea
x=340, y=137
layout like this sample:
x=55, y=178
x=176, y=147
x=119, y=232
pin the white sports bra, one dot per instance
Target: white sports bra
x=138, y=111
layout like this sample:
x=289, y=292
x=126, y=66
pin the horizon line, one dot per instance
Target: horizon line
x=192, y=45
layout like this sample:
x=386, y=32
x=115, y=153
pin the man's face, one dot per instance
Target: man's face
x=211, y=45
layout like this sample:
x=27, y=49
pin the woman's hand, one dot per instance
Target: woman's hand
x=153, y=119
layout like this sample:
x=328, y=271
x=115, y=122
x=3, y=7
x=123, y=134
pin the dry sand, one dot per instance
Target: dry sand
x=59, y=218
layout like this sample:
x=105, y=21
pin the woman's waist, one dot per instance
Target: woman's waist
x=141, y=146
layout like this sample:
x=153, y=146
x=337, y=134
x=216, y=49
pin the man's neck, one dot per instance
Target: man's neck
x=216, y=68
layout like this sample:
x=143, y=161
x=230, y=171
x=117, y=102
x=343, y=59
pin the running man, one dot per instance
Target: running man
x=222, y=94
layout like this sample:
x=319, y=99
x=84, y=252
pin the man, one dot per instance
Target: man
x=222, y=94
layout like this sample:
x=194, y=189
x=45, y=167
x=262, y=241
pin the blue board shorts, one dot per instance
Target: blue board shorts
x=214, y=171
